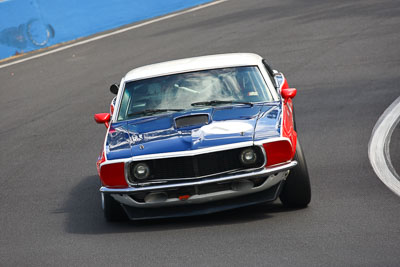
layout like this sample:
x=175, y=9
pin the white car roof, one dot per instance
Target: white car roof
x=193, y=64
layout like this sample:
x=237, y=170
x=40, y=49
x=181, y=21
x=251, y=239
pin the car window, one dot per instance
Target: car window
x=180, y=91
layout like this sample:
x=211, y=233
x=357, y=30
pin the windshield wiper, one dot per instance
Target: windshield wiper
x=153, y=111
x=220, y=102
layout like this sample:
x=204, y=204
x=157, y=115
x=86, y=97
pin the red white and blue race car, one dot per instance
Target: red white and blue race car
x=200, y=135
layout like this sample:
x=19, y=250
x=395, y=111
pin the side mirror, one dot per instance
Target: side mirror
x=103, y=118
x=114, y=88
x=288, y=93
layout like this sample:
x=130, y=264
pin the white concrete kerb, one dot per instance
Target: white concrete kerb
x=378, y=147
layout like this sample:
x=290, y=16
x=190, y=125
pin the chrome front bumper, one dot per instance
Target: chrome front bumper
x=274, y=175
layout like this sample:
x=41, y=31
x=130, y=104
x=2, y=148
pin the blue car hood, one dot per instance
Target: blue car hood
x=159, y=134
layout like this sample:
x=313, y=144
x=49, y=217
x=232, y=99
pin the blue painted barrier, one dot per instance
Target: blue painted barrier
x=27, y=25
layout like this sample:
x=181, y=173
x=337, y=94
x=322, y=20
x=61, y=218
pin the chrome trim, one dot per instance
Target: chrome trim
x=159, y=181
x=259, y=173
x=264, y=153
x=270, y=140
x=196, y=199
x=118, y=101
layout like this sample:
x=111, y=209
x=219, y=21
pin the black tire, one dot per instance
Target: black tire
x=112, y=209
x=294, y=120
x=296, y=192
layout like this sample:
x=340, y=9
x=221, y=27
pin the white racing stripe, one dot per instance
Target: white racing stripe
x=378, y=147
x=113, y=33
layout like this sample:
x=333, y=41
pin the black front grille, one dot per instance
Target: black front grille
x=199, y=165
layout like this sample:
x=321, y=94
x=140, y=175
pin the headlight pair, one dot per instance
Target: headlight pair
x=248, y=156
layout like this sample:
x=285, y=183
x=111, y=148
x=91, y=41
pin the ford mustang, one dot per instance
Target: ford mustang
x=200, y=135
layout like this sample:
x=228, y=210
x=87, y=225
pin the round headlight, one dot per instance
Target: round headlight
x=141, y=171
x=248, y=156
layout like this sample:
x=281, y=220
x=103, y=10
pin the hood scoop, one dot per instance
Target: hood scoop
x=192, y=120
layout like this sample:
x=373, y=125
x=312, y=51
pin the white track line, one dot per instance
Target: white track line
x=113, y=33
x=378, y=147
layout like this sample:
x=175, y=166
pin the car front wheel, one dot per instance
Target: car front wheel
x=296, y=192
x=113, y=211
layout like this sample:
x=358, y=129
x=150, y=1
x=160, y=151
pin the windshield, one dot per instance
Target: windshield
x=193, y=90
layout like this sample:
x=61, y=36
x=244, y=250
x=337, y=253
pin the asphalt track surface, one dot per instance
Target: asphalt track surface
x=344, y=58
